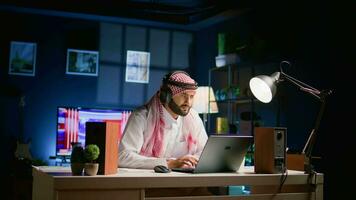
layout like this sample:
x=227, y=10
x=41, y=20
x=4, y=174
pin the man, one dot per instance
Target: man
x=166, y=130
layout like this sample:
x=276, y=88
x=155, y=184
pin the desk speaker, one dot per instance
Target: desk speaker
x=270, y=149
x=105, y=135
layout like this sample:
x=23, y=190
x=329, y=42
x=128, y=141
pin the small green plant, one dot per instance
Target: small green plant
x=91, y=153
x=77, y=155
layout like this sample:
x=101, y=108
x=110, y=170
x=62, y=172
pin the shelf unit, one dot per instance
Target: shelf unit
x=228, y=78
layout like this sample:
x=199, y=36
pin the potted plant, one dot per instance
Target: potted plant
x=77, y=159
x=91, y=153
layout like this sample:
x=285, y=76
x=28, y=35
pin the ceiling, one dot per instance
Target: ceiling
x=178, y=12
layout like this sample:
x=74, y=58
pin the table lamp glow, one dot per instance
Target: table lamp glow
x=204, y=102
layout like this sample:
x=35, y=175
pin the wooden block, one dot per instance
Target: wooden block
x=105, y=135
x=295, y=161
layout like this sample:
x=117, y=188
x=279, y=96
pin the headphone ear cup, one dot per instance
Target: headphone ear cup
x=168, y=95
x=162, y=96
x=165, y=95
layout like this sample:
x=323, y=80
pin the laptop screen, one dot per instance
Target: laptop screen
x=223, y=153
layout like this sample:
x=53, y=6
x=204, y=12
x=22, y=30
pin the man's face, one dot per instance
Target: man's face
x=183, y=102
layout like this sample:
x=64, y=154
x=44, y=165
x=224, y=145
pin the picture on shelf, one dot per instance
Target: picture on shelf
x=22, y=58
x=82, y=62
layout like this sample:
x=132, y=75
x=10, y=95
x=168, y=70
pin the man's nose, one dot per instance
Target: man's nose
x=189, y=100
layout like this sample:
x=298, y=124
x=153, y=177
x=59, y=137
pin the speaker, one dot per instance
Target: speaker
x=270, y=149
x=105, y=135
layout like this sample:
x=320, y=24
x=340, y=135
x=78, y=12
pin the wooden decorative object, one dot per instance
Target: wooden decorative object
x=296, y=161
x=105, y=135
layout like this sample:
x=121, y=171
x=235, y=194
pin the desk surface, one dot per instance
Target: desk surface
x=57, y=183
x=133, y=178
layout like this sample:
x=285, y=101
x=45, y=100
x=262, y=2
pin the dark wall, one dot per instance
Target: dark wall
x=52, y=87
x=314, y=37
x=271, y=36
x=310, y=35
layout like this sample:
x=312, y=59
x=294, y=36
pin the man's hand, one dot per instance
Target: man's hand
x=187, y=161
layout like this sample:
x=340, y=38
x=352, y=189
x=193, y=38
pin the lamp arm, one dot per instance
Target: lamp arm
x=302, y=86
x=308, y=148
x=321, y=95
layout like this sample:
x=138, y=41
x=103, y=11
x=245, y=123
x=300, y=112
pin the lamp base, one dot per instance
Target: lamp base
x=299, y=162
x=308, y=167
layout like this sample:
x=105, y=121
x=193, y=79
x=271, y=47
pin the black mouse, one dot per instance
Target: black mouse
x=161, y=169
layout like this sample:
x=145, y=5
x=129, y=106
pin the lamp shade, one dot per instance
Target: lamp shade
x=264, y=87
x=203, y=97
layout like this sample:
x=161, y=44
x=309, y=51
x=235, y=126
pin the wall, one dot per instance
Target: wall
x=310, y=35
x=314, y=37
x=52, y=87
x=270, y=39
x=169, y=50
x=238, y=32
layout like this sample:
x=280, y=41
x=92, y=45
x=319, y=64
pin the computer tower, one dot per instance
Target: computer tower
x=270, y=149
x=105, y=135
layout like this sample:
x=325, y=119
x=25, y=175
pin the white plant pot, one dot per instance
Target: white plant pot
x=91, y=169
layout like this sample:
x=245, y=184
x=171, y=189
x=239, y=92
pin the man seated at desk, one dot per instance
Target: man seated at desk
x=166, y=130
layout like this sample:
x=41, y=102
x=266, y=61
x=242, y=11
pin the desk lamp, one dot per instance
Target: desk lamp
x=204, y=102
x=265, y=87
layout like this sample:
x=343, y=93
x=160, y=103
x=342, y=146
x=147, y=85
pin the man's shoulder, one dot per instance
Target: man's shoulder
x=193, y=115
x=140, y=111
x=193, y=112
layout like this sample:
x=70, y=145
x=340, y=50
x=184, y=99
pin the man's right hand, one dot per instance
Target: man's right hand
x=187, y=161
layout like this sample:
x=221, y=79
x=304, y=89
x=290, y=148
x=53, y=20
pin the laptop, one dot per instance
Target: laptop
x=222, y=153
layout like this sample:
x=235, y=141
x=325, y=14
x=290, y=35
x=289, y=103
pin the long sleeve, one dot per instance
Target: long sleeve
x=132, y=141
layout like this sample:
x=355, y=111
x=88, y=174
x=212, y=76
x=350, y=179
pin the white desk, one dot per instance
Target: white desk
x=57, y=183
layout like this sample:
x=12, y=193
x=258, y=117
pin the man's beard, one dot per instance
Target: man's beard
x=176, y=109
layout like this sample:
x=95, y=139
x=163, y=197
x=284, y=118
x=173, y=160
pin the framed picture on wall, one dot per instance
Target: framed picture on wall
x=137, y=66
x=82, y=62
x=22, y=58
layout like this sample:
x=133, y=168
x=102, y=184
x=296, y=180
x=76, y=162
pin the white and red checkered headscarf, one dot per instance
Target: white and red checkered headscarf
x=154, y=132
x=181, y=78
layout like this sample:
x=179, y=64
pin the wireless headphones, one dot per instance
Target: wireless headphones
x=166, y=93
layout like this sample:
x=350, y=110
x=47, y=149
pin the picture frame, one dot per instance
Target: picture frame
x=137, y=66
x=82, y=62
x=22, y=59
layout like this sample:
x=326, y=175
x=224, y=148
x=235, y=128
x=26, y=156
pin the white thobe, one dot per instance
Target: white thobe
x=174, y=144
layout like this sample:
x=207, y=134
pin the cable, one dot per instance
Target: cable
x=283, y=179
